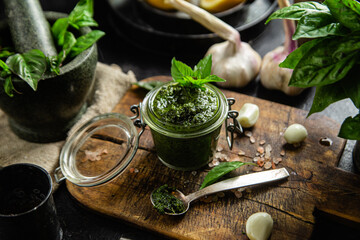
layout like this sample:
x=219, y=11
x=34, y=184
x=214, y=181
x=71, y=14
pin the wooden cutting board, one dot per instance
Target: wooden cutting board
x=314, y=183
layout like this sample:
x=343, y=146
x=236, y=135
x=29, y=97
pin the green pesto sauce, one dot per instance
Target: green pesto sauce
x=165, y=201
x=185, y=106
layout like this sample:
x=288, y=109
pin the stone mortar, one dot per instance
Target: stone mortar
x=46, y=115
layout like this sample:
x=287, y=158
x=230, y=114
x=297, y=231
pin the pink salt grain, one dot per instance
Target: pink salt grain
x=260, y=150
x=257, y=169
x=267, y=165
x=241, y=153
x=248, y=133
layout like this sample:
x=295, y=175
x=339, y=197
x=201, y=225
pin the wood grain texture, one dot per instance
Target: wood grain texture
x=314, y=181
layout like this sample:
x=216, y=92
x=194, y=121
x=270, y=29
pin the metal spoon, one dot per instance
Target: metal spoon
x=236, y=182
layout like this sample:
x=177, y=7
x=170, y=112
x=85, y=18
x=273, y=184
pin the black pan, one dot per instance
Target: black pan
x=156, y=33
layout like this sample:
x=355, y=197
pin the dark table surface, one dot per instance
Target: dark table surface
x=79, y=223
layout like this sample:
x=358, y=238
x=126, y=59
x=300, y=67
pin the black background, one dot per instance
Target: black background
x=79, y=223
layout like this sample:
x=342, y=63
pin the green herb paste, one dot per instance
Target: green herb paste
x=165, y=201
x=185, y=106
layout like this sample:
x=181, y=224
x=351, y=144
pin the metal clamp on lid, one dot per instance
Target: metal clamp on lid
x=139, y=123
x=234, y=126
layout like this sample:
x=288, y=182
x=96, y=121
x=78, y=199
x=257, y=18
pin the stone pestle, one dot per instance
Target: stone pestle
x=47, y=114
x=29, y=27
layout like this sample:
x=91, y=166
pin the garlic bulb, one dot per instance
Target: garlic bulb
x=232, y=60
x=238, y=66
x=271, y=75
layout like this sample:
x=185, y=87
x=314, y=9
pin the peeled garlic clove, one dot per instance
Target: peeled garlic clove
x=259, y=226
x=248, y=115
x=295, y=133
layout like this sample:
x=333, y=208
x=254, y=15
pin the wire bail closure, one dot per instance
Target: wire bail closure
x=139, y=123
x=234, y=126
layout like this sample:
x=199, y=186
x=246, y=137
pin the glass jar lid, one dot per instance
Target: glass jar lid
x=98, y=151
x=179, y=130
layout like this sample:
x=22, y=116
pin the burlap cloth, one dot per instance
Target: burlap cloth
x=111, y=85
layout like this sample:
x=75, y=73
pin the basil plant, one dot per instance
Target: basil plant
x=32, y=65
x=330, y=60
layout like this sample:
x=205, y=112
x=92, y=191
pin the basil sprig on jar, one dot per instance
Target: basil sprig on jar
x=188, y=102
x=194, y=78
x=185, y=116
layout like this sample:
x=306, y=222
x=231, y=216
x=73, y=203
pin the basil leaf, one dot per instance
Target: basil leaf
x=354, y=5
x=179, y=70
x=6, y=74
x=351, y=86
x=203, y=68
x=81, y=7
x=191, y=82
x=327, y=63
x=343, y=14
x=8, y=86
x=69, y=42
x=86, y=41
x=149, y=85
x=211, y=78
x=52, y=62
x=82, y=15
x=294, y=57
x=29, y=66
x=58, y=29
x=298, y=10
x=324, y=24
x=5, y=53
x=217, y=172
x=346, y=88
x=5, y=67
x=185, y=76
x=350, y=128
x=326, y=95
x=83, y=20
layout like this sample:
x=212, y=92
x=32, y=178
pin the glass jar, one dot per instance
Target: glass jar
x=112, y=138
x=185, y=147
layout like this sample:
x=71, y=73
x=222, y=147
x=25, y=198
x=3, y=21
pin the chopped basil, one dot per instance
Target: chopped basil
x=165, y=202
x=185, y=106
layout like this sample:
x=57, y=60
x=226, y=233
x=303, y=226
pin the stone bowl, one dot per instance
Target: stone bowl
x=46, y=115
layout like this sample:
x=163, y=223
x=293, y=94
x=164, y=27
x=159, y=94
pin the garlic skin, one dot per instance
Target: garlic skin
x=271, y=75
x=248, y=115
x=237, y=65
x=259, y=226
x=232, y=60
x=274, y=77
